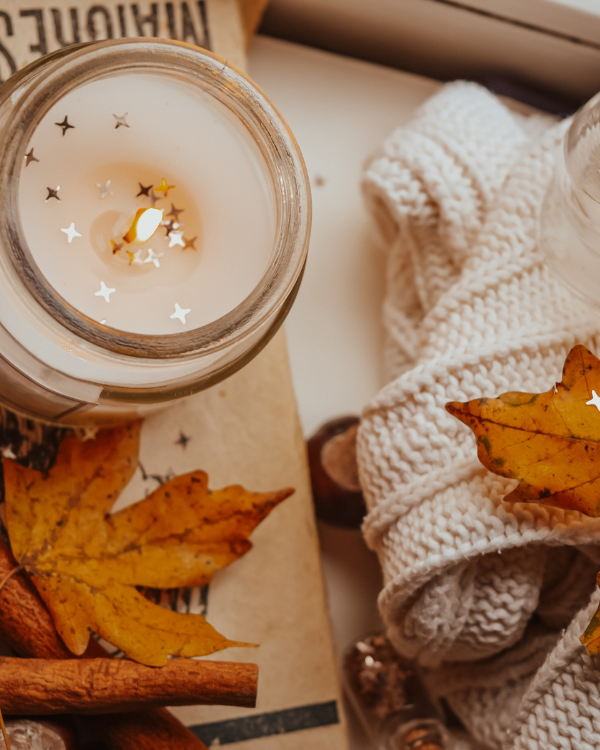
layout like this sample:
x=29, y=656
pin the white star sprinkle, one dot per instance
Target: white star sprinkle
x=104, y=291
x=71, y=232
x=594, y=401
x=176, y=238
x=104, y=189
x=153, y=257
x=179, y=313
x=88, y=432
x=7, y=452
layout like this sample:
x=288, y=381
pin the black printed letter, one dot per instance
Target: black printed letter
x=91, y=26
x=58, y=30
x=3, y=51
x=42, y=45
x=140, y=21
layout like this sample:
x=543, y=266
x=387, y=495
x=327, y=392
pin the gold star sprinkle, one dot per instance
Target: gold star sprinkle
x=144, y=190
x=52, y=193
x=29, y=157
x=65, y=125
x=174, y=212
x=190, y=244
x=169, y=226
x=135, y=257
x=153, y=198
x=121, y=121
x=164, y=187
x=116, y=246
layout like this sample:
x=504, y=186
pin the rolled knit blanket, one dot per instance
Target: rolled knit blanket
x=475, y=588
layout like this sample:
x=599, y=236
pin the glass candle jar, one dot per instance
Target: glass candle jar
x=156, y=217
x=569, y=230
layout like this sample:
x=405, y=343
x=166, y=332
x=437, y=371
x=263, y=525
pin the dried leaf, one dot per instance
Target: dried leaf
x=550, y=441
x=86, y=562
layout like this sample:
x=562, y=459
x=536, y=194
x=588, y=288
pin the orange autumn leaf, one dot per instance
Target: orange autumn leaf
x=86, y=562
x=549, y=442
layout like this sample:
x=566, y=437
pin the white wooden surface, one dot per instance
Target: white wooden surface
x=340, y=111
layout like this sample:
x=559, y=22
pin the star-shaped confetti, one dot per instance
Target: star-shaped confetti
x=144, y=190
x=65, y=125
x=7, y=452
x=104, y=189
x=153, y=198
x=71, y=232
x=179, y=314
x=88, y=432
x=164, y=187
x=52, y=193
x=190, y=243
x=174, y=212
x=153, y=257
x=116, y=246
x=176, y=238
x=104, y=291
x=183, y=440
x=169, y=226
x=135, y=257
x=594, y=401
x=121, y=121
x=29, y=157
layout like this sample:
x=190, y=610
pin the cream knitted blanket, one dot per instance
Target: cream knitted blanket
x=475, y=588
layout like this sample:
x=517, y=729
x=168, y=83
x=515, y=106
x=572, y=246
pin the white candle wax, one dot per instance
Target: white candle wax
x=173, y=132
x=101, y=315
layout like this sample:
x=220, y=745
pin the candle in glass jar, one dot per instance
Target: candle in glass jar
x=156, y=217
x=117, y=147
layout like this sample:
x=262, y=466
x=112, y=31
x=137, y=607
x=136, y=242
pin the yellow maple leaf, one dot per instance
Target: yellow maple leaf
x=86, y=562
x=549, y=441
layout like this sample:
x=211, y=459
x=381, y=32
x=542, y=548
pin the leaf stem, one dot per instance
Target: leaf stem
x=7, y=578
x=6, y=740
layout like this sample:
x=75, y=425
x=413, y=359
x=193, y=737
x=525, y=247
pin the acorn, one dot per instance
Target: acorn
x=337, y=494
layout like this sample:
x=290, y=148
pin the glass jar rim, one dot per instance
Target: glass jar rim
x=67, y=69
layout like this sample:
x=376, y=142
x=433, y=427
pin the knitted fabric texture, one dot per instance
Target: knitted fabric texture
x=471, y=309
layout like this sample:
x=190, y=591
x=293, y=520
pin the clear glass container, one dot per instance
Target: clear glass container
x=390, y=699
x=569, y=229
x=60, y=365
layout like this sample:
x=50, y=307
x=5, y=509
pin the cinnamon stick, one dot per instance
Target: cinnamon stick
x=27, y=627
x=157, y=729
x=46, y=686
x=25, y=623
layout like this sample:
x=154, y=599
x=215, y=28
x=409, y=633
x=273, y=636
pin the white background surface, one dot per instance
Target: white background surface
x=340, y=110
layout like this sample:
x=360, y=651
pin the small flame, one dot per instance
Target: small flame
x=144, y=224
